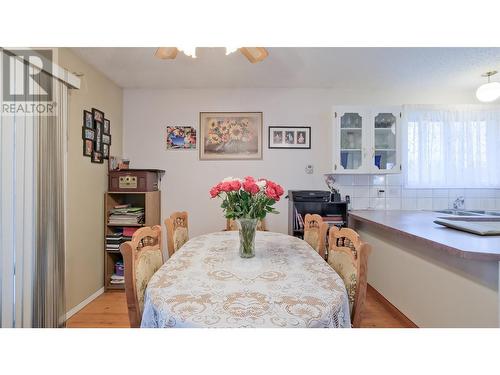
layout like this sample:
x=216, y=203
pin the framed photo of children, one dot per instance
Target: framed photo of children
x=106, y=129
x=88, y=120
x=96, y=157
x=106, y=139
x=88, y=136
x=105, y=151
x=181, y=138
x=98, y=137
x=289, y=137
x=88, y=146
x=98, y=115
x=230, y=135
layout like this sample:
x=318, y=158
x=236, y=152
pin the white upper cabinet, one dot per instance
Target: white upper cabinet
x=367, y=140
x=350, y=141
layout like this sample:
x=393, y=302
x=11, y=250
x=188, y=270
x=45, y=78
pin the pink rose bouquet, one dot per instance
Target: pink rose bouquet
x=247, y=198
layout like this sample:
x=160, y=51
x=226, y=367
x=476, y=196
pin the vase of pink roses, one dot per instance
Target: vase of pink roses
x=247, y=201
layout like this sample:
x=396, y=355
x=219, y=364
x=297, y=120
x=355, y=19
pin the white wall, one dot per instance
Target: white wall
x=87, y=181
x=187, y=180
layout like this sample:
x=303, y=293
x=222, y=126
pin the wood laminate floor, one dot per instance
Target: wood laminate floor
x=109, y=310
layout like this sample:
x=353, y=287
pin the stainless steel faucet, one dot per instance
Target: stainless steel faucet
x=459, y=203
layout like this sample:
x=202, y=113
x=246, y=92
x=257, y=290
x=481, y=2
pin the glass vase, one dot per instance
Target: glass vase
x=247, y=229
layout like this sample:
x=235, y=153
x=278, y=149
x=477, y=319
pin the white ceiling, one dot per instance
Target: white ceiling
x=340, y=68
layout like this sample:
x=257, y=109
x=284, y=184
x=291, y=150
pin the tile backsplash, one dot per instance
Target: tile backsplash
x=386, y=192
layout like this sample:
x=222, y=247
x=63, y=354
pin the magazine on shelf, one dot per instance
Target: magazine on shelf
x=126, y=216
x=114, y=240
x=299, y=221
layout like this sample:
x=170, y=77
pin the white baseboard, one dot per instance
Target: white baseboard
x=84, y=303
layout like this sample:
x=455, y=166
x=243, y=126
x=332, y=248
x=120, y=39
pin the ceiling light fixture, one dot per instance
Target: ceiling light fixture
x=253, y=54
x=188, y=51
x=230, y=50
x=490, y=91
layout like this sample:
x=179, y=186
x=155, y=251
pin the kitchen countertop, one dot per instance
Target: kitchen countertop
x=419, y=225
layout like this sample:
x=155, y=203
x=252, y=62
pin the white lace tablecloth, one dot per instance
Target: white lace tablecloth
x=207, y=284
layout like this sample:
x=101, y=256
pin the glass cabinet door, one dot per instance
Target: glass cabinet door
x=351, y=141
x=384, y=153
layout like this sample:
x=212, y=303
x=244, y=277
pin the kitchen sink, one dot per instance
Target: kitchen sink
x=459, y=212
x=469, y=212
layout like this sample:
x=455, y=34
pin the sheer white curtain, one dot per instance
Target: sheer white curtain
x=450, y=147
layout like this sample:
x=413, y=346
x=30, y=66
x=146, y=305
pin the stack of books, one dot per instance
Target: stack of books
x=126, y=215
x=299, y=221
x=114, y=240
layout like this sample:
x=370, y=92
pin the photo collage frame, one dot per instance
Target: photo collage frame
x=96, y=135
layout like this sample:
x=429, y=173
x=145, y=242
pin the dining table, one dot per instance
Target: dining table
x=207, y=284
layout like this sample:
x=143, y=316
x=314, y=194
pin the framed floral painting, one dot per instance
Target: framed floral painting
x=181, y=138
x=231, y=135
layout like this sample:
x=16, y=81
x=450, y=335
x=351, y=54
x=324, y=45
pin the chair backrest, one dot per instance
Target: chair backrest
x=315, y=232
x=348, y=256
x=142, y=257
x=177, y=231
x=231, y=225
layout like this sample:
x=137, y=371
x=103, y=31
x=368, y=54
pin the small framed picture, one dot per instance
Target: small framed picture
x=88, y=133
x=105, y=151
x=88, y=146
x=289, y=137
x=98, y=137
x=117, y=163
x=106, y=127
x=97, y=157
x=88, y=120
x=181, y=138
x=97, y=115
x=106, y=138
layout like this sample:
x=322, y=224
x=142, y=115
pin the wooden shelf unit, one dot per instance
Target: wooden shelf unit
x=151, y=201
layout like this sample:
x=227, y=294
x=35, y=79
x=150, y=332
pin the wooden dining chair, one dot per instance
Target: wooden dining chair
x=348, y=256
x=315, y=233
x=142, y=257
x=177, y=231
x=231, y=225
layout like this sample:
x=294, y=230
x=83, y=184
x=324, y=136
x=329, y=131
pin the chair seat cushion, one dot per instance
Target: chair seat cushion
x=146, y=265
x=342, y=263
x=312, y=238
x=180, y=237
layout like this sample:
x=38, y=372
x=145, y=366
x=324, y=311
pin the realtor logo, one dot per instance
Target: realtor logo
x=23, y=80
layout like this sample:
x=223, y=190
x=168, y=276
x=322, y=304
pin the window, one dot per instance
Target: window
x=451, y=147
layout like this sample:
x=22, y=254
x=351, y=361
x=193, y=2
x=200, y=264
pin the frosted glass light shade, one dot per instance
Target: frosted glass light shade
x=189, y=51
x=230, y=50
x=488, y=92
